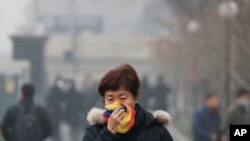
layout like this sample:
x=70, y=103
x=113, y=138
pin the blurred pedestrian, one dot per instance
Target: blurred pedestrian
x=161, y=92
x=73, y=110
x=90, y=97
x=238, y=113
x=54, y=104
x=26, y=121
x=206, y=120
x=124, y=119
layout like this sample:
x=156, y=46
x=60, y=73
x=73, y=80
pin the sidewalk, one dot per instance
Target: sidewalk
x=177, y=135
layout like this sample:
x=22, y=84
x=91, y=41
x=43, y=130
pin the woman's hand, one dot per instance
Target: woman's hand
x=115, y=119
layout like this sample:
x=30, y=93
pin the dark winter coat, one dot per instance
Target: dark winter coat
x=147, y=127
x=205, y=123
x=73, y=109
x=11, y=115
x=54, y=100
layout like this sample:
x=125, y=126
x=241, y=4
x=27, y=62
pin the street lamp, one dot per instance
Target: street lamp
x=227, y=10
x=193, y=26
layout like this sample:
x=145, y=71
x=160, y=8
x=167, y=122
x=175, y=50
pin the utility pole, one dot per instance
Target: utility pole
x=228, y=62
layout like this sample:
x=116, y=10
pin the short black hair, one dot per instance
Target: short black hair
x=124, y=75
x=28, y=91
x=242, y=92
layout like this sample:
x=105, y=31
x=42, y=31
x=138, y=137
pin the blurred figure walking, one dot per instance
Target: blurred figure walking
x=238, y=113
x=90, y=97
x=206, y=120
x=54, y=104
x=161, y=92
x=26, y=121
x=72, y=110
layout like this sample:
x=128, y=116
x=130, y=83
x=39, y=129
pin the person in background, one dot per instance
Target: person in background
x=238, y=113
x=206, y=120
x=73, y=110
x=54, y=100
x=161, y=91
x=26, y=121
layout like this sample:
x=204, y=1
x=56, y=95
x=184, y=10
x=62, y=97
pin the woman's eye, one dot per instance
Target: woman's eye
x=110, y=99
x=123, y=98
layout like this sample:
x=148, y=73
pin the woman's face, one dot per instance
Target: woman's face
x=120, y=95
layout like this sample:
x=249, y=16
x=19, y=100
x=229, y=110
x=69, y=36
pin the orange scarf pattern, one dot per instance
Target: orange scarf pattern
x=128, y=120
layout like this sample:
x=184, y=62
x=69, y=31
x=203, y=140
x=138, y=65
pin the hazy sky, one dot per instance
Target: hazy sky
x=12, y=14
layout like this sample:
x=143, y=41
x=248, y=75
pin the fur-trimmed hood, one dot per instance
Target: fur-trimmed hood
x=95, y=116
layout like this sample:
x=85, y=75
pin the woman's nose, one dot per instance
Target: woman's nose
x=116, y=100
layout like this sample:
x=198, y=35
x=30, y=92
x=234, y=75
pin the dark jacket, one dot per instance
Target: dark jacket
x=11, y=115
x=161, y=92
x=205, y=123
x=74, y=108
x=147, y=128
x=54, y=100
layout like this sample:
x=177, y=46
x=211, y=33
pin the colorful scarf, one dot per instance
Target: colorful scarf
x=127, y=122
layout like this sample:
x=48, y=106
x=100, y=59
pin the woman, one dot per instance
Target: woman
x=124, y=119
